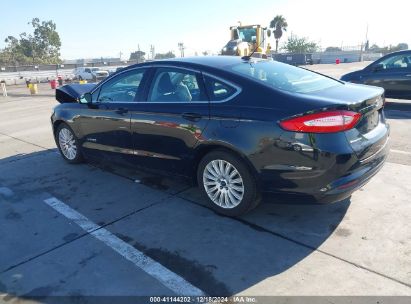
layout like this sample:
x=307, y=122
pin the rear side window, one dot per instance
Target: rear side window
x=218, y=90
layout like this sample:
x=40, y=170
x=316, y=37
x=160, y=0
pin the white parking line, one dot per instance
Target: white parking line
x=401, y=152
x=168, y=278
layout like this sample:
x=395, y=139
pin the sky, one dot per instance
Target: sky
x=94, y=29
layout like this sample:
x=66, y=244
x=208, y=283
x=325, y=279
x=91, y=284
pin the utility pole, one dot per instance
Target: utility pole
x=121, y=53
x=366, y=33
x=181, y=47
x=367, y=43
x=152, y=52
x=364, y=45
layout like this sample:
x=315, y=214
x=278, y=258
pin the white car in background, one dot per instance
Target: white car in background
x=92, y=73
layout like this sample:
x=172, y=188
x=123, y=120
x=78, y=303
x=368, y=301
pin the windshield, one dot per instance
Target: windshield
x=284, y=77
x=247, y=34
x=232, y=43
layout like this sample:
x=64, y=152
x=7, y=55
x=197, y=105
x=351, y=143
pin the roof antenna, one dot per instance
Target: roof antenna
x=248, y=57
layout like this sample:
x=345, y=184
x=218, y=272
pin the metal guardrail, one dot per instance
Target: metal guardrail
x=72, y=66
x=326, y=57
x=14, y=78
x=35, y=76
x=43, y=73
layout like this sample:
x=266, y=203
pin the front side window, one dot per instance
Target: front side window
x=284, y=77
x=175, y=85
x=123, y=88
x=396, y=62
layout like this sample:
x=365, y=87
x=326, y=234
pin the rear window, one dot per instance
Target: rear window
x=284, y=77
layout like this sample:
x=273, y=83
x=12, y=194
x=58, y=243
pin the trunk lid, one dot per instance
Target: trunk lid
x=371, y=133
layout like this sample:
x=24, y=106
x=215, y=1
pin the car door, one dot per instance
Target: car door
x=169, y=122
x=105, y=123
x=393, y=74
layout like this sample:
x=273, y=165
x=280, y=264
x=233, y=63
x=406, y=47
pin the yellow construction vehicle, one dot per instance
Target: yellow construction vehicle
x=248, y=40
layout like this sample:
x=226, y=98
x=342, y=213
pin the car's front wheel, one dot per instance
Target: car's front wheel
x=68, y=144
x=227, y=183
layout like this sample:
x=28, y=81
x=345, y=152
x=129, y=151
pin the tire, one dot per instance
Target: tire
x=68, y=144
x=231, y=193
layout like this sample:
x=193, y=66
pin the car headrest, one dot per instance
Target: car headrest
x=165, y=85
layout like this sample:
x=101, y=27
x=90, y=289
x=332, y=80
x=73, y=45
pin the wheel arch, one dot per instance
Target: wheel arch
x=56, y=124
x=58, y=121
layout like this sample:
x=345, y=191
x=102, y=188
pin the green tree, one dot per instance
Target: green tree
x=46, y=40
x=7, y=56
x=388, y=49
x=296, y=44
x=43, y=46
x=333, y=49
x=375, y=48
x=402, y=46
x=138, y=56
x=278, y=24
x=165, y=55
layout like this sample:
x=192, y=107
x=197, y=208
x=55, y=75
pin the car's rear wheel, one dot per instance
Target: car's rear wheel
x=227, y=183
x=68, y=144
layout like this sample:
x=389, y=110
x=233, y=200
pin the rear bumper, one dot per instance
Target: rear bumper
x=330, y=178
x=100, y=76
x=343, y=187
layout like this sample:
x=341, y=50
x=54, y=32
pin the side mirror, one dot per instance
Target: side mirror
x=85, y=98
x=378, y=67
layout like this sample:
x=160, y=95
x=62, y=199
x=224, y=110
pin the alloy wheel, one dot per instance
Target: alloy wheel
x=223, y=184
x=67, y=144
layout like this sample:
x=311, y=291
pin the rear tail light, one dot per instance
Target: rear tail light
x=323, y=122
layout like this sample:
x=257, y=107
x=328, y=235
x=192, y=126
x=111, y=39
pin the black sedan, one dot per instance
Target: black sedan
x=391, y=72
x=236, y=126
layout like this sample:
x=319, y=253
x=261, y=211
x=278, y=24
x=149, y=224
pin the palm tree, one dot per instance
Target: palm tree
x=279, y=24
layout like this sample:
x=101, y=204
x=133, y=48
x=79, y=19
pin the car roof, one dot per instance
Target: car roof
x=218, y=62
x=398, y=53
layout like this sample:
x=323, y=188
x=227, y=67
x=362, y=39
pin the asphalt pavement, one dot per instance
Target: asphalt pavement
x=102, y=230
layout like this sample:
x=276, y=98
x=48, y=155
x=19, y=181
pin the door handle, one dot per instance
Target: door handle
x=192, y=116
x=121, y=111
